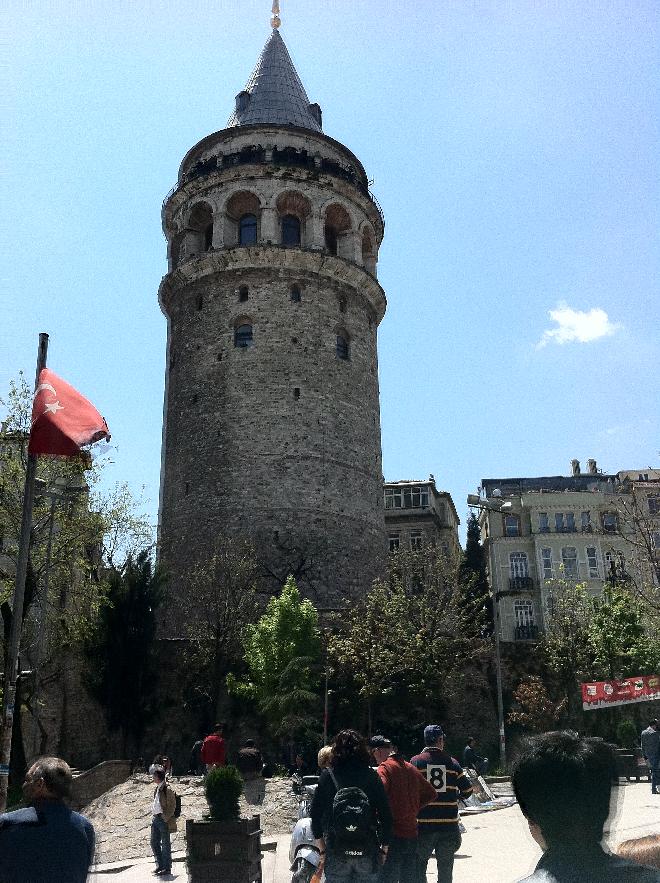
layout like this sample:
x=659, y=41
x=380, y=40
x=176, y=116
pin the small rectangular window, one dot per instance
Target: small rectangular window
x=592, y=562
x=342, y=347
x=416, y=540
x=654, y=504
x=393, y=540
x=544, y=525
x=392, y=498
x=585, y=521
x=546, y=562
x=511, y=526
x=609, y=522
x=559, y=522
x=569, y=561
x=570, y=521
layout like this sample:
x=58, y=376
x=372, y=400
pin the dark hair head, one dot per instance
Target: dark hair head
x=218, y=727
x=349, y=745
x=159, y=773
x=470, y=739
x=56, y=774
x=249, y=743
x=158, y=760
x=578, y=773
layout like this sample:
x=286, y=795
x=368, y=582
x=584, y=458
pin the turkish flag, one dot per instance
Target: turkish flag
x=62, y=420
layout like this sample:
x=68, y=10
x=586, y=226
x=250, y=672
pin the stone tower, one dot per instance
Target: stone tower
x=272, y=424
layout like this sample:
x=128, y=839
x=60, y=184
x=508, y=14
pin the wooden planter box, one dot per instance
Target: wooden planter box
x=224, y=852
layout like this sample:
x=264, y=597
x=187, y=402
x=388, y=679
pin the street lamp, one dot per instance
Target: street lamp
x=475, y=502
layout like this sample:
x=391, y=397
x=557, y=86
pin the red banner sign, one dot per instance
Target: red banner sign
x=605, y=694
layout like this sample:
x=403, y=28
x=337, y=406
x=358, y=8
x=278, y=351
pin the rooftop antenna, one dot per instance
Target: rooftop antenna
x=276, y=21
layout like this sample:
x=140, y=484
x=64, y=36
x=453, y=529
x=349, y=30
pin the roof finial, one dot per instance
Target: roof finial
x=276, y=21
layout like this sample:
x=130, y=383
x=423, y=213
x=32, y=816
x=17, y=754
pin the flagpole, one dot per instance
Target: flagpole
x=11, y=675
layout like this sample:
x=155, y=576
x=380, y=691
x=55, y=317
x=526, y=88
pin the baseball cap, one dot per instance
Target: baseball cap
x=379, y=742
x=432, y=733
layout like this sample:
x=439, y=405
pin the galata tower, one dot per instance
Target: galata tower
x=271, y=418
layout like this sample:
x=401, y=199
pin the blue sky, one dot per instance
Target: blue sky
x=513, y=146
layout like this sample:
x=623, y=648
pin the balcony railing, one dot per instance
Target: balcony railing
x=520, y=583
x=525, y=633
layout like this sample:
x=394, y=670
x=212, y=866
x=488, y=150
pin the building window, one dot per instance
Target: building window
x=511, y=526
x=609, y=522
x=518, y=565
x=342, y=347
x=393, y=540
x=243, y=336
x=546, y=563
x=544, y=525
x=585, y=521
x=592, y=562
x=654, y=504
x=415, y=497
x=615, y=566
x=247, y=230
x=416, y=540
x=331, y=239
x=243, y=293
x=559, y=522
x=393, y=498
x=295, y=294
x=342, y=304
x=523, y=612
x=290, y=230
x=570, y=522
x=296, y=392
x=569, y=562
x=208, y=237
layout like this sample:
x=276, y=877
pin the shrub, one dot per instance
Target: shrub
x=223, y=788
x=626, y=734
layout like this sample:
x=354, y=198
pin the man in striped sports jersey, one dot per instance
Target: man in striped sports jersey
x=437, y=823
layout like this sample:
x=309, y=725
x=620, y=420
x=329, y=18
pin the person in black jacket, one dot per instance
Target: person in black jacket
x=350, y=769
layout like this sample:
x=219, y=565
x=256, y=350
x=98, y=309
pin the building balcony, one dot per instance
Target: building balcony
x=525, y=633
x=520, y=583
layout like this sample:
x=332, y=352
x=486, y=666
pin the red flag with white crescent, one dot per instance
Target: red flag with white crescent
x=62, y=420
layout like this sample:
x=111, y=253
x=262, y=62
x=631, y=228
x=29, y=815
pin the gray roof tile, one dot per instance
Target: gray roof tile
x=276, y=94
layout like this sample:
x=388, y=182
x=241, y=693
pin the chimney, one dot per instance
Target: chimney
x=575, y=467
x=591, y=466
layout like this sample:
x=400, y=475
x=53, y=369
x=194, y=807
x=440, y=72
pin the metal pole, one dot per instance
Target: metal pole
x=11, y=675
x=498, y=676
x=41, y=641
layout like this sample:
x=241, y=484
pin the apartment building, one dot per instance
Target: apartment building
x=416, y=513
x=573, y=527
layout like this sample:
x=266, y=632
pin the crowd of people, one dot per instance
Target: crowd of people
x=376, y=817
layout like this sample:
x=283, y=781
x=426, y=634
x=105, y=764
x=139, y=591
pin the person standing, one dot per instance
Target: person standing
x=472, y=759
x=249, y=761
x=407, y=792
x=350, y=814
x=650, y=743
x=163, y=822
x=46, y=842
x=214, y=749
x=437, y=823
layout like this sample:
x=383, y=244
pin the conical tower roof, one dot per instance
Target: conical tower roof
x=274, y=93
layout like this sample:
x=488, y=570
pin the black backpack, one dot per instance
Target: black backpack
x=352, y=825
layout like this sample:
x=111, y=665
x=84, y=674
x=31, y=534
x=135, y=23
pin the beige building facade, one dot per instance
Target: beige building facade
x=575, y=527
x=417, y=514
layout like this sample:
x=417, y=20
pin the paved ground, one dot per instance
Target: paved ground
x=497, y=847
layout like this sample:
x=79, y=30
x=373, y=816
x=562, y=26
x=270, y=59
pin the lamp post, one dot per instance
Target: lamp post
x=475, y=502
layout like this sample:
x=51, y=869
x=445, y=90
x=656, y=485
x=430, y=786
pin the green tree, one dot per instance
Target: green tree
x=533, y=709
x=122, y=671
x=283, y=652
x=474, y=580
x=221, y=601
x=619, y=635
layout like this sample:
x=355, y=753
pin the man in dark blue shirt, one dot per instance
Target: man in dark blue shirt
x=46, y=842
x=563, y=785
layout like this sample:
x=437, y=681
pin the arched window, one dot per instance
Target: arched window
x=243, y=336
x=208, y=237
x=247, y=230
x=343, y=347
x=331, y=239
x=290, y=230
x=295, y=294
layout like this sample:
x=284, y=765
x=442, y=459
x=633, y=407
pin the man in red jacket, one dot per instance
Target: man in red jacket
x=214, y=752
x=407, y=792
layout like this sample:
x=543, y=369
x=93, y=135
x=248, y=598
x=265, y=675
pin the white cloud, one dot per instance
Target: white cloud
x=577, y=325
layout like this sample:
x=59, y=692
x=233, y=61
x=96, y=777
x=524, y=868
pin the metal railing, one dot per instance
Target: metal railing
x=525, y=633
x=519, y=583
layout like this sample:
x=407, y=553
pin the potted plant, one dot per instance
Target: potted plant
x=223, y=846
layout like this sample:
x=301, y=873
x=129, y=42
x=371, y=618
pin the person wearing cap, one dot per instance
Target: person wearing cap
x=650, y=744
x=407, y=792
x=437, y=823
